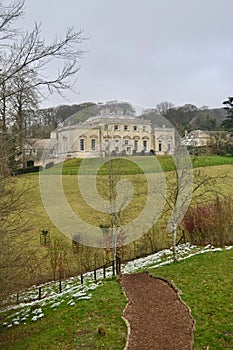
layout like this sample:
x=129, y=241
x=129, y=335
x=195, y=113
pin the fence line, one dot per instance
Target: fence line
x=116, y=269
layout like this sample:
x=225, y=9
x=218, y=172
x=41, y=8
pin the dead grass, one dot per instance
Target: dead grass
x=38, y=265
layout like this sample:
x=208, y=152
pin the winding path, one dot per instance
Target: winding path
x=155, y=315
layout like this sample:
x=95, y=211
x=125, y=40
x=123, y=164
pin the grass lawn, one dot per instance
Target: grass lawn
x=74, y=327
x=129, y=164
x=38, y=218
x=206, y=284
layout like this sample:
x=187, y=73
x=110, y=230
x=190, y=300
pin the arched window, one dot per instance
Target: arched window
x=82, y=144
x=93, y=144
x=135, y=145
x=145, y=145
x=160, y=145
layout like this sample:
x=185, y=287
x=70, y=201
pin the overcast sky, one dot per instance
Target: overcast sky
x=145, y=52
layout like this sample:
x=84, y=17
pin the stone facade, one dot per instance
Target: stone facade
x=199, y=138
x=114, y=135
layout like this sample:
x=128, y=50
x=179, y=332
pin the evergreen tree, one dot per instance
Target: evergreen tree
x=228, y=122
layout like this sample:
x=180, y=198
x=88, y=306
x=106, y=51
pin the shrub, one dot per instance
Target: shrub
x=211, y=223
x=33, y=169
x=49, y=165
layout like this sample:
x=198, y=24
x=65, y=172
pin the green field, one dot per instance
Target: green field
x=129, y=164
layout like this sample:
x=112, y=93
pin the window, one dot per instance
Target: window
x=117, y=149
x=82, y=145
x=126, y=142
x=27, y=151
x=126, y=127
x=144, y=128
x=93, y=144
x=145, y=145
x=128, y=149
x=160, y=146
x=135, y=127
x=107, y=145
x=34, y=152
x=106, y=127
x=168, y=147
x=116, y=142
x=116, y=127
x=136, y=145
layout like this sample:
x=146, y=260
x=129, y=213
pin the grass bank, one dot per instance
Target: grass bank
x=206, y=284
x=89, y=324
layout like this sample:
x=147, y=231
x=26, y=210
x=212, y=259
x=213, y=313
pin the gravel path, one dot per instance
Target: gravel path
x=155, y=315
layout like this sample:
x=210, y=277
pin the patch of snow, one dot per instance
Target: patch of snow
x=56, y=304
x=73, y=289
x=85, y=297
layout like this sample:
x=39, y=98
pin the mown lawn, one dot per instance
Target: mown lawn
x=129, y=164
x=206, y=283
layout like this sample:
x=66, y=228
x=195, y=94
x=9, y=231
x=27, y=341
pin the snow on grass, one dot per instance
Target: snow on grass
x=165, y=257
x=32, y=309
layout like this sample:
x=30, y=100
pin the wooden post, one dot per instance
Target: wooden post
x=17, y=298
x=39, y=293
x=113, y=268
x=60, y=286
x=104, y=271
x=81, y=278
x=95, y=275
x=118, y=265
x=184, y=238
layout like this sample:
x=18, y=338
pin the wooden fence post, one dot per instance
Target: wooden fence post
x=104, y=271
x=60, y=286
x=118, y=265
x=39, y=293
x=113, y=268
x=81, y=278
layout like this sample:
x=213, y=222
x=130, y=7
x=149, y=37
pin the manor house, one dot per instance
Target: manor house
x=114, y=135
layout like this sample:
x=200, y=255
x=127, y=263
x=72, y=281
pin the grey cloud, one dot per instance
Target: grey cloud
x=146, y=52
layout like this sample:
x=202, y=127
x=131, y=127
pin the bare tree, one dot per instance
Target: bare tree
x=57, y=253
x=164, y=107
x=8, y=15
x=24, y=58
x=33, y=53
x=22, y=103
x=185, y=187
x=13, y=232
